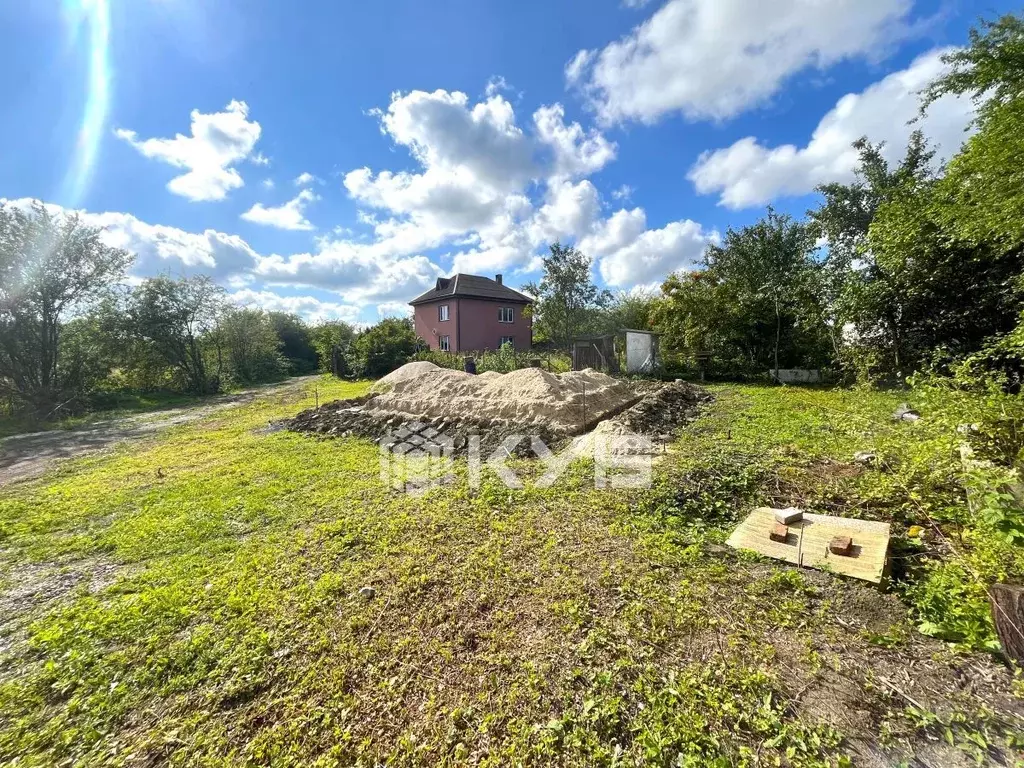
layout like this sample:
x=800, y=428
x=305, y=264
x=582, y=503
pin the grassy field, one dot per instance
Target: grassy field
x=194, y=600
x=115, y=406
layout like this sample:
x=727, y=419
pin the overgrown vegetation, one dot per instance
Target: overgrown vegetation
x=501, y=360
x=74, y=338
x=196, y=601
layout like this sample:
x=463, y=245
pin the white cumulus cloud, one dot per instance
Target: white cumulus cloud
x=308, y=308
x=218, y=141
x=291, y=215
x=717, y=58
x=360, y=273
x=576, y=152
x=628, y=254
x=394, y=309
x=160, y=248
x=306, y=178
x=748, y=173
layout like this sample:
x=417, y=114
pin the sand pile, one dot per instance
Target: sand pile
x=405, y=373
x=662, y=411
x=566, y=401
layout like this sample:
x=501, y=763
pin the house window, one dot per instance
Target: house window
x=510, y=340
x=445, y=344
x=506, y=315
x=442, y=313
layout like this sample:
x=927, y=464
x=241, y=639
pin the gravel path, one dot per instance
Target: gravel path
x=26, y=456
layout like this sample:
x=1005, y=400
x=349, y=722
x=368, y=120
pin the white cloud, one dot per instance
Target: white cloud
x=268, y=183
x=309, y=308
x=259, y=159
x=749, y=173
x=656, y=253
x=305, y=179
x=625, y=192
x=717, y=58
x=577, y=66
x=361, y=273
x=570, y=211
x=160, y=248
x=443, y=132
x=618, y=231
x=629, y=254
x=477, y=171
x=495, y=85
x=291, y=215
x=394, y=309
x=218, y=141
x=576, y=152
x=475, y=163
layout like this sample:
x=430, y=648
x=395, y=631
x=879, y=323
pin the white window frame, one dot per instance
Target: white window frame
x=502, y=314
x=442, y=313
x=510, y=340
x=445, y=344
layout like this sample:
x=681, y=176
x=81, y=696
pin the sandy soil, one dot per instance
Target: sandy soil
x=26, y=456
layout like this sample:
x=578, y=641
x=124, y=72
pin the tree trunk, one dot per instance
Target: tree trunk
x=1008, y=615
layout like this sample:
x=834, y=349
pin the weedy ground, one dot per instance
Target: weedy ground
x=194, y=600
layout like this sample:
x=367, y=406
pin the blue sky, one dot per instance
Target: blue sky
x=334, y=158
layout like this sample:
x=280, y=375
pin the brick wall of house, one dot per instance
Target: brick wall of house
x=430, y=328
x=473, y=324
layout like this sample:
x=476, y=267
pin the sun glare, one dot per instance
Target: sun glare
x=91, y=18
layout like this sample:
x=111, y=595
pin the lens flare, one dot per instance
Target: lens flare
x=92, y=17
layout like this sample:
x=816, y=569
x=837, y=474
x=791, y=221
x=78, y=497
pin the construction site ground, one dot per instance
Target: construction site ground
x=228, y=593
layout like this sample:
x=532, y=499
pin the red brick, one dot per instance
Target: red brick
x=841, y=545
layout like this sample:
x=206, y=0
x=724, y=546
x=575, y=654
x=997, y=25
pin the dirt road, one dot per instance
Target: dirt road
x=29, y=455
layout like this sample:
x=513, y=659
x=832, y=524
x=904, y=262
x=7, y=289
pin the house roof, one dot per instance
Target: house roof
x=471, y=286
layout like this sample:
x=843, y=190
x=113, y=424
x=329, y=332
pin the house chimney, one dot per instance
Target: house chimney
x=497, y=279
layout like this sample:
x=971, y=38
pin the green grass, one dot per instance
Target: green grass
x=113, y=406
x=197, y=604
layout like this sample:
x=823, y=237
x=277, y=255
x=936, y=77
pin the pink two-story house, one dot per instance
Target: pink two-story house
x=468, y=312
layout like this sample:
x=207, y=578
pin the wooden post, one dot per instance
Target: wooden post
x=1008, y=614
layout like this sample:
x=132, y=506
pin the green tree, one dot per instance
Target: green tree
x=171, y=318
x=764, y=270
x=568, y=302
x=990, y=68
x=383, y=347
x=922, y=288
x=327, y=336
x=251, y=345
x=50, y=266
x=692, y=314
x=844, y=218
x=628, y=310
x=296, y=342
x=981, y=198
x=942, y=258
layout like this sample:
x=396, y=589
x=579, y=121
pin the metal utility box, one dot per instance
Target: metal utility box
x=641, y=351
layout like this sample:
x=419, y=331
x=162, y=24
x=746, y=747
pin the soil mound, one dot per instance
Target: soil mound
x=530, y=396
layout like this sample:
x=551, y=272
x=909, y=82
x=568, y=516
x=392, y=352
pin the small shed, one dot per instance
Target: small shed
x=596, y=352
x=641, y=351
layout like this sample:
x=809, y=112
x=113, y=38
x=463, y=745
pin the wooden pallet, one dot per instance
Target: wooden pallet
x=808, y=540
